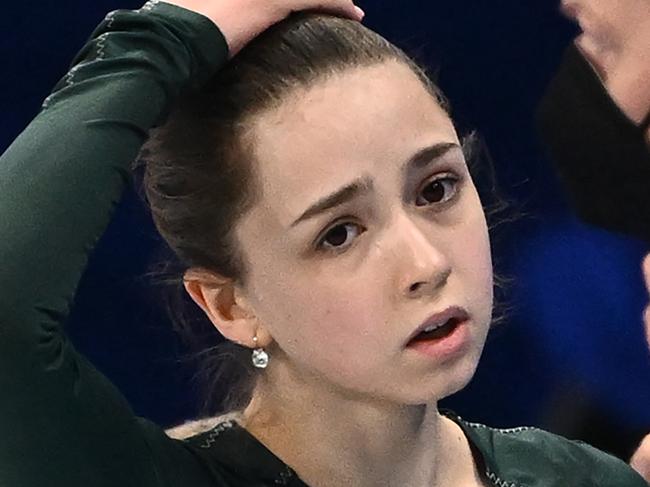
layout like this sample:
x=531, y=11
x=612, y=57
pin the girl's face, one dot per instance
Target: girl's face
x=342, y=287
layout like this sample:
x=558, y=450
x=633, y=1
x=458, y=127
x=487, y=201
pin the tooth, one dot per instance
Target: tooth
x=433, y=327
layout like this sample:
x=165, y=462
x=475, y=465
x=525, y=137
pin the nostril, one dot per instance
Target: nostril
x=415, y=287
x=436, y=283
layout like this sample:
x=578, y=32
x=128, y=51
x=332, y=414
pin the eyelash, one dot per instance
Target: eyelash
x=344, y=221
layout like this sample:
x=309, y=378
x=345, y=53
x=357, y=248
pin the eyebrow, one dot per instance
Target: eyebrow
x=421, y=158
x=427, y=155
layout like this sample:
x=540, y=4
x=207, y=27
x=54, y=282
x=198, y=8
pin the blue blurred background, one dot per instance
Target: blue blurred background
x=570, y=355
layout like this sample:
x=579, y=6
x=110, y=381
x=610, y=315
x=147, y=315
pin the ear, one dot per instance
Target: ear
x=223, y=303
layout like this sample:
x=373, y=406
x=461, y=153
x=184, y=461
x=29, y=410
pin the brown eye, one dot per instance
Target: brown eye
x=439, y=190
x=339, y=236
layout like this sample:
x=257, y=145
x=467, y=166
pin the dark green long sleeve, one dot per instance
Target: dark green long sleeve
x=62, y=423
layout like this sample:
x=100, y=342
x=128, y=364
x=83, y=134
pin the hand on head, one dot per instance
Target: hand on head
x=241, y=21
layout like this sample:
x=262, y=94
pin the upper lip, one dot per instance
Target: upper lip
x=455, y=312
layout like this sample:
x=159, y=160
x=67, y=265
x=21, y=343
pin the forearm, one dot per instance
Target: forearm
x=62, y=177
x=59, y=183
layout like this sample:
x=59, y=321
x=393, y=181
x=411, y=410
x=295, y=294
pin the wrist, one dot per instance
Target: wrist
x=238, y=21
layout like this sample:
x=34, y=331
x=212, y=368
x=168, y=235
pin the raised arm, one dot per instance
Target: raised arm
x=62, y=423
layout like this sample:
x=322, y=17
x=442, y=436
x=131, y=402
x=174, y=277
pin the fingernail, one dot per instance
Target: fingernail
x=360, y=12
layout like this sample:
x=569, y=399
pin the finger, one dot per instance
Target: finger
x=344, y=8
x=646, y=322
x=640, y=461
x=646, y=271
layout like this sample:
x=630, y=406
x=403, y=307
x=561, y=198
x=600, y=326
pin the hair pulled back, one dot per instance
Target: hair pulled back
x=198, y=167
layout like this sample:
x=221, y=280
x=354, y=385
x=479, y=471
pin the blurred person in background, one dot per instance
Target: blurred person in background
x=595, y=119
x=595, y=116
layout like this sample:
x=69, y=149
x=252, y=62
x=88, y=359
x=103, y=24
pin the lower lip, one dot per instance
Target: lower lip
x=446, y=347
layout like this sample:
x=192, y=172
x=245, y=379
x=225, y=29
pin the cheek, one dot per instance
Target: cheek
x=334, y=332
x=309, y=314
x=472, y=259
x=480, y=257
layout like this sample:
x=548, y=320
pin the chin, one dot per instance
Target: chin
x=460, y=383
x=443, y=385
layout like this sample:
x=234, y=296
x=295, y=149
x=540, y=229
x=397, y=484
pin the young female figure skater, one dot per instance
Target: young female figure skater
x=318, y=193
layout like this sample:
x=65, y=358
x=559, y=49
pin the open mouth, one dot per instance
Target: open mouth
x=442, y=331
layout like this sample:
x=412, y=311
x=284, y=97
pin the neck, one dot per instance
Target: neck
x=334, y=439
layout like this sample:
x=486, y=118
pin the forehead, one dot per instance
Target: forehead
x=361, y=121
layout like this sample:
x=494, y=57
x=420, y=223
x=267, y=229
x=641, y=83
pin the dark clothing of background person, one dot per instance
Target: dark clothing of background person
x=602, y=157
x=62, y=422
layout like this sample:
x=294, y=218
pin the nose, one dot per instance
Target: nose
x=423, y=268
x=570, y=8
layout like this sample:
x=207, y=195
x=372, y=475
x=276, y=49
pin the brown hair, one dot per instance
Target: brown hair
x=198, y=166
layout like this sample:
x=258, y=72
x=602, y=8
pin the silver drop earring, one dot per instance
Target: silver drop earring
x=260, y=357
